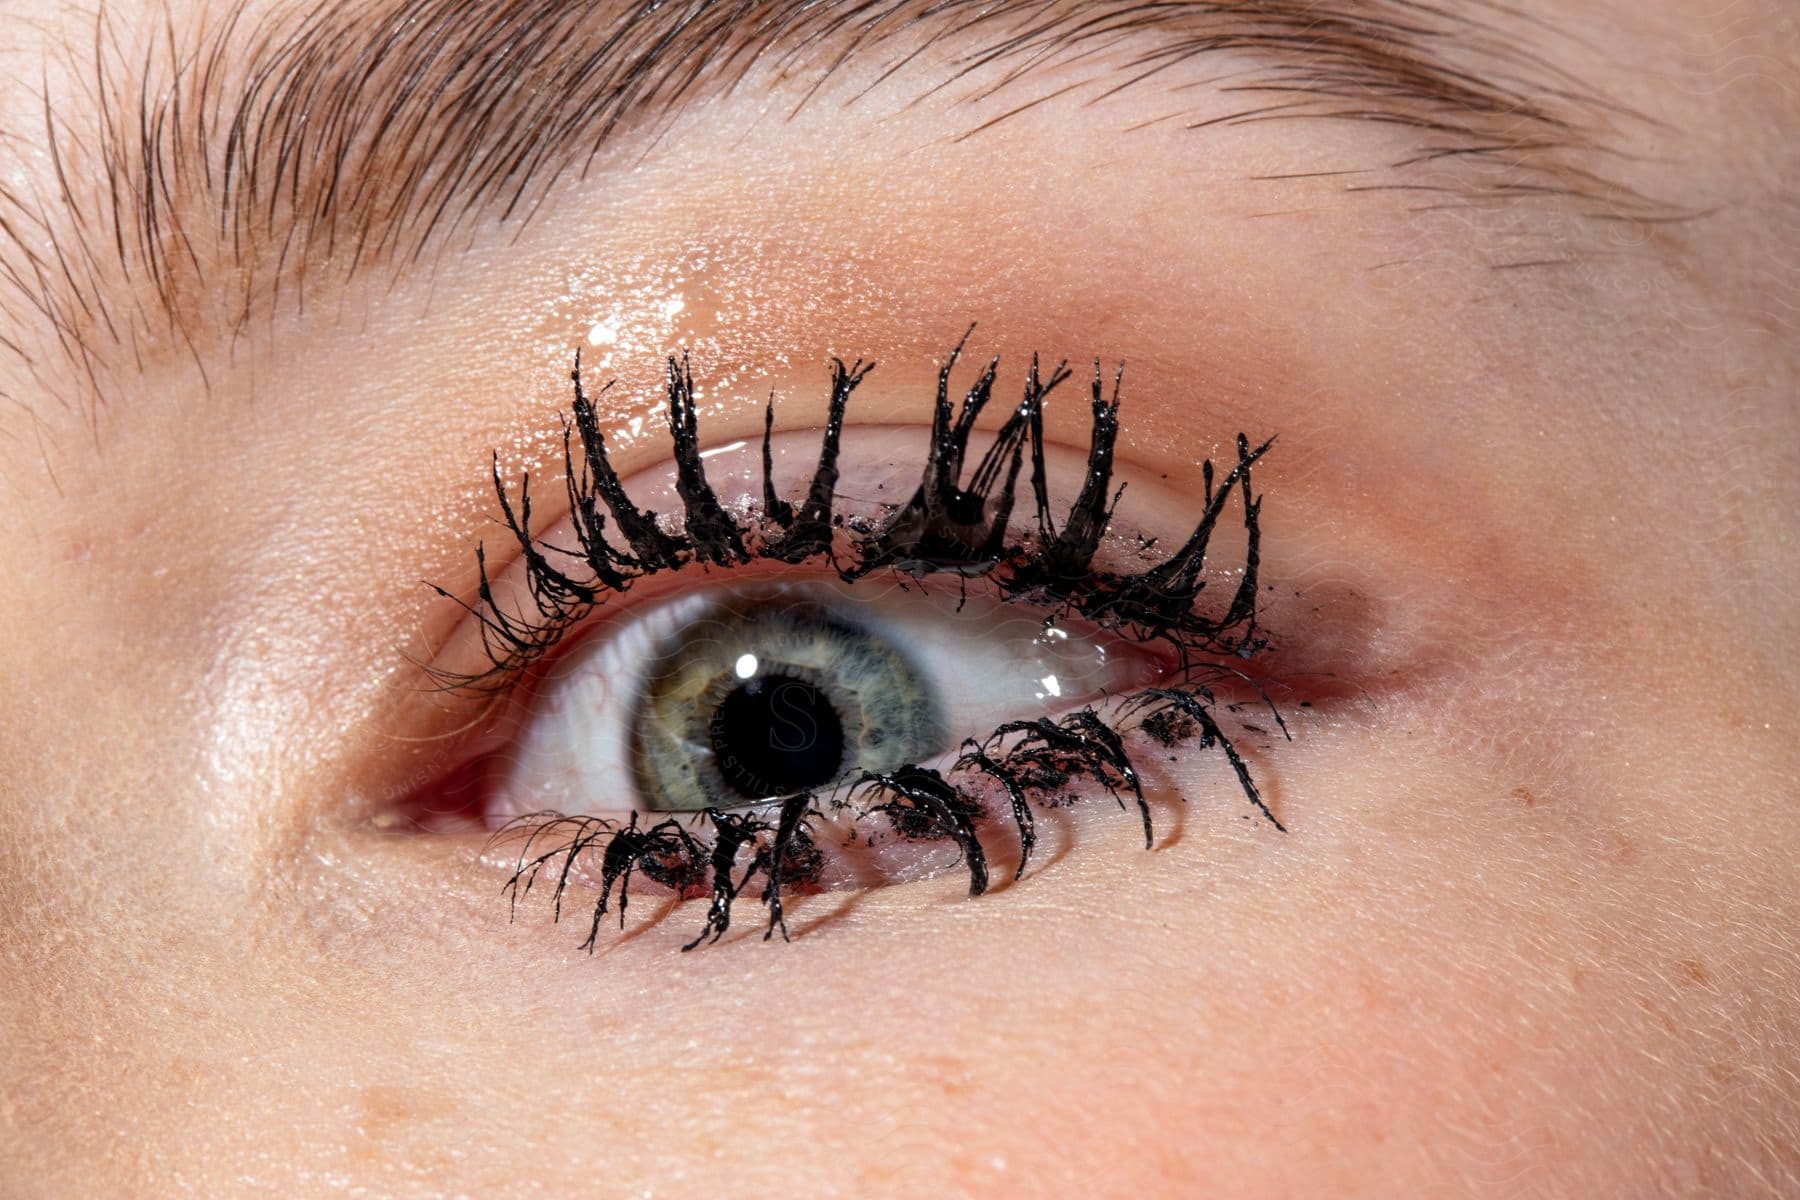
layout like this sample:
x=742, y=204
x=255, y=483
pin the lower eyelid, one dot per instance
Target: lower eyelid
x=851, y=844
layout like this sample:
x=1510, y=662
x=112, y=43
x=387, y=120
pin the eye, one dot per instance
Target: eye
x=732, y=695
x=844, y=656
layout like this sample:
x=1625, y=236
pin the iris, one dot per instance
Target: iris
x=766, y=694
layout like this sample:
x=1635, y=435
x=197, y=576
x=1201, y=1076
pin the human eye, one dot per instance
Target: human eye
x=844, y=656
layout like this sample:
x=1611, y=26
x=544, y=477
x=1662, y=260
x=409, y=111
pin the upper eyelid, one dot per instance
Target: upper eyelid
x=553, y=584
x=550, y=523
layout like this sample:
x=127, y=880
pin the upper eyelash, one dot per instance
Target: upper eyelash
x=1051, y=567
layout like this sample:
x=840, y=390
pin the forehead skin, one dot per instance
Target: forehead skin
x=1531, y=933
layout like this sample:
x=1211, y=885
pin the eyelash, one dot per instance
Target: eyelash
x=1029, y=760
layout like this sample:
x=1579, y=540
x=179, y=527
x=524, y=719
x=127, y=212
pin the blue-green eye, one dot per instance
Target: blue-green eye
x=914, y=649
x=733, y=694
x=766, y=694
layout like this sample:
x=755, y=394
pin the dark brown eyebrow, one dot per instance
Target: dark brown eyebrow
x=210, y=171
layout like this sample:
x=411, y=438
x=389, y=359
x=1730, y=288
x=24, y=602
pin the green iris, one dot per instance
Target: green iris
x=766, y=695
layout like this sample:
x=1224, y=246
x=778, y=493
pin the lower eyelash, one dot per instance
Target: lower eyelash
x=1030, y=764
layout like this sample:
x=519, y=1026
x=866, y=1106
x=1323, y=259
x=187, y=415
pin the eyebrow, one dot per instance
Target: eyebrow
x=208, y=171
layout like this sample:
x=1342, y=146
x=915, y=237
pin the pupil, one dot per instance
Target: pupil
x=776, y=735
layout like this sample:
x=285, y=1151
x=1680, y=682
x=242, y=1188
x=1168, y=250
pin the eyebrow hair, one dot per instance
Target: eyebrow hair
x=228, y=161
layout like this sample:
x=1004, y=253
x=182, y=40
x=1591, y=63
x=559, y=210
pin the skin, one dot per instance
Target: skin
x=1530, y=933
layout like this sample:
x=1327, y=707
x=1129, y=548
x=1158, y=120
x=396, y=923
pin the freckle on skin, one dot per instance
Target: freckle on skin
x=382, y=1108
x=1668, y=1023
x=1620, y=850
x=386, y=1109
x=1694, y=972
